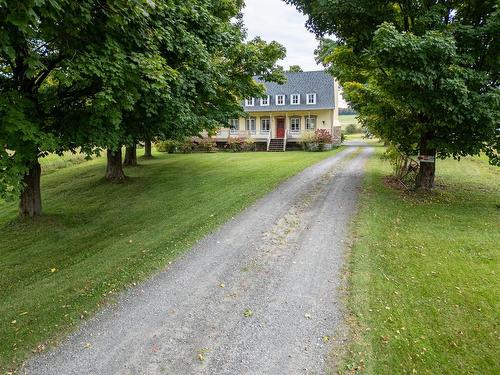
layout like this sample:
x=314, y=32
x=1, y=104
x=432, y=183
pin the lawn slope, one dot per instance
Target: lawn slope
x=96, y=238
x=424, y=283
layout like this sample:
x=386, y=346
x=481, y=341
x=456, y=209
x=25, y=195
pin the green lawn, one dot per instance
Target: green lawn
x=424, y=283
x=97, y=238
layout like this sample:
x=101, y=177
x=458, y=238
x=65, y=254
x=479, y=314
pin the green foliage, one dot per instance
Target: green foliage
x=249, y=144
x=352, y=129
x=187, y=146
x=239, y=144
x=403, y=165
x=295, y=69
x=62, y=85
x=168, y=145
x=315, y=141
x=235, y=144
x=307, y=141
x=207, y=145
x=422, y=75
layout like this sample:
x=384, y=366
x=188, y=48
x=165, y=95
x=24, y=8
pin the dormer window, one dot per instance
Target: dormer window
x=311, y=98
x=249, y=102
x=280, y=99
x=295, y=99
x=264, y=102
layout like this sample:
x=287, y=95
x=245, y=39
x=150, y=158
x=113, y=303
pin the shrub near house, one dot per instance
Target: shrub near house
x=316, y=141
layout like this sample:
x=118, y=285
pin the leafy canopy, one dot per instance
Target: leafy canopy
x=416, y=70
x=89, y=75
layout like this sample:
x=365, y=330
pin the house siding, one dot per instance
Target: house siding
x=325, y=119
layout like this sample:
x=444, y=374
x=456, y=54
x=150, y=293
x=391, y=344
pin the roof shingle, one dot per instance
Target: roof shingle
x=302, y=83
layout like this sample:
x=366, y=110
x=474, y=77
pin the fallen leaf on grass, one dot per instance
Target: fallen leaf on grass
x=39, y=348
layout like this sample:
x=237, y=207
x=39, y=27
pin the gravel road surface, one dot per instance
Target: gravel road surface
x=258, y=296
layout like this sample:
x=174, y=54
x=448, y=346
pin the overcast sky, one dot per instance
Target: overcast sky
x=275, y=20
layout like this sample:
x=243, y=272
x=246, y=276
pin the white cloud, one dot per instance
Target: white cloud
x=276, y=20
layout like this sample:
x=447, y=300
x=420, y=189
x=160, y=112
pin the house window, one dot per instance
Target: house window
x=280, y=99
x=264, y=101
x=234, y=126
x=249, y=102
x=310, y=123
x=295, y=124
x=295, y=99
x=311, y=98
x=250, y=125
x=265, y=125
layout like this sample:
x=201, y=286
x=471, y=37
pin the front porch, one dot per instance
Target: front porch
x=265, y=139
x=275, y=131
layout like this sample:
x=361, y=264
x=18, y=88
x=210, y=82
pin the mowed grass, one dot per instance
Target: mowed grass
x=97, y=238
x=424, y=274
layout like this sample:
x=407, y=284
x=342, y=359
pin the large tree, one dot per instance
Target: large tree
x=423, y=75
x=68, y=69
x=91, y=75
x=207, y=67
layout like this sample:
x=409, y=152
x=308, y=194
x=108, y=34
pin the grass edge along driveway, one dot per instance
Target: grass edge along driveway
x=423, y=274
x=97, y=238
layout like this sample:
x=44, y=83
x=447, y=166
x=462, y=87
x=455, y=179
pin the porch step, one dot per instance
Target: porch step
x=276, y=144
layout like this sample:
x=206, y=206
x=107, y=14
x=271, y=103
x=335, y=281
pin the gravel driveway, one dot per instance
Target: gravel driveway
x=258, y=296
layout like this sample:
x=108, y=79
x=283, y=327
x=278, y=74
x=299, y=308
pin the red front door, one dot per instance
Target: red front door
x=280, y=128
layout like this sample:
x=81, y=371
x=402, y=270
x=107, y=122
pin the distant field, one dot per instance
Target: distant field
x=53, y=162
x=347, y=120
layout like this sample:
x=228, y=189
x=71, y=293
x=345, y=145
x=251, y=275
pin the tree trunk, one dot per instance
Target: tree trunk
x=427, y=171
x=130, y=156
x=147, y=149
x=114, y=170
x=30, y=204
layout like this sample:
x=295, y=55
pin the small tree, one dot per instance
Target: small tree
x=295, y=69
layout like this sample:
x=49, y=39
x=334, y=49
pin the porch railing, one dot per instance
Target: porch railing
x=268, y=140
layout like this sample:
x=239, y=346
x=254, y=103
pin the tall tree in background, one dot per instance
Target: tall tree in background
x=295, y=69
x=422, y=75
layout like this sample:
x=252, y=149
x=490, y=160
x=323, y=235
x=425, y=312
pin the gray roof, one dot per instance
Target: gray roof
x=302, y=83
